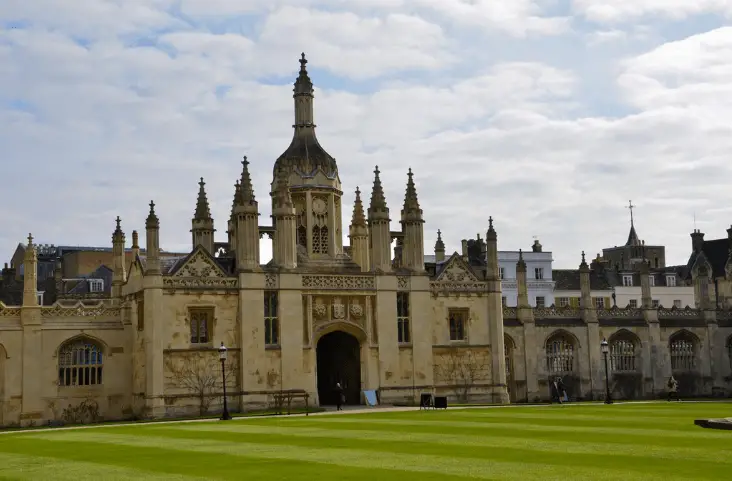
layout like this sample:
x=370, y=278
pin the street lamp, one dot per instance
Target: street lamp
x=605, y=350
x=225, y=416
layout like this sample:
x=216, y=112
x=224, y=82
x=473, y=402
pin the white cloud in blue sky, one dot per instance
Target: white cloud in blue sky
x=546, y=114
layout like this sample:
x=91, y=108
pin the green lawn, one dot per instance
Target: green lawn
x=595, y=442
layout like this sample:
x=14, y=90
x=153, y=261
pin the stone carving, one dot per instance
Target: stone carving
x=6, y=311
x=724, y=315
x=200, y=282
x=616, y=312
x=356, y=309
x=319, y=309
x=339, y=310
x=556, y=312
x=510, y=313
x=80, y=310
x=338, y=282
x=199, y=265
x=270, y=281
x=686, y=313
x=403, y=282
x=445, y=288
x=456, y=271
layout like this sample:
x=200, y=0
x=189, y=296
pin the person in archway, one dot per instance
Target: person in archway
x=339, y=396
x=673, y=388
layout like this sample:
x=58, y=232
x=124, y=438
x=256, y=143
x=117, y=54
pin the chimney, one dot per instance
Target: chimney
x=537, y=246
x=697, y=240
x=465, y=248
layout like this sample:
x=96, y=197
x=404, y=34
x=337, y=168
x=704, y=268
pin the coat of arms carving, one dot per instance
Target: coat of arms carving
x=339, y=309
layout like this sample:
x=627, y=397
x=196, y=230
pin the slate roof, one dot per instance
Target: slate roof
x=102, y=272
x=569, y=280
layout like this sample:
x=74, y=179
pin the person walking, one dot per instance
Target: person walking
x=673, y=388
x=339, y=397
x=562, y=390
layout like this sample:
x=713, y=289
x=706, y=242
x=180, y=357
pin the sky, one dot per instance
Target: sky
x=548, y=115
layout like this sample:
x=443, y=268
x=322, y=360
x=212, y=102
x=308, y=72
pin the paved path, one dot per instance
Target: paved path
x=330, y=411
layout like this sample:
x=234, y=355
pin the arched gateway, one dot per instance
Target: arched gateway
x=338, y=361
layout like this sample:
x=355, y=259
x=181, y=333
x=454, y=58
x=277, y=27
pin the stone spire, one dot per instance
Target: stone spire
x=359, y=235
x=413, y=228
x=152, y=234
x=30, y=275
x=523, y=292
x=378, y=208
x=439, y=248
x=246, y=225
x=203, y=212
x=491, y=253
x=118, y=260
x=303, y=84
x=284, y=249
x=202, y=225
x=281, y=193
x=246, y=190
x=231, y=227
x=585, y=285
x=135, y=245
x=379, y=227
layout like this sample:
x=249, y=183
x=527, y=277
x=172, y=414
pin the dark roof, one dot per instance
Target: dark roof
x=306, y=155
x=102, y=272
x=633, y=239
x=717, y=252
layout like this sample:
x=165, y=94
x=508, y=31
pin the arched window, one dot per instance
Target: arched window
x=622, y=353
x=80, y=363
x=508, y=347
x=682, y=348
x=560, y=354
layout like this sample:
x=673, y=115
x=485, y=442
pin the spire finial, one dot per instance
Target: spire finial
x=521, y=254
x=583, y=256
x=152, y=221
x=411, y=210
x=490, y=222
x=303, y=62
x=631, y=207
x=378, y=201
x=119, y=222
x=439, y=245
x=247, y=191
x=359, y=219
x=118, y=234
x=203, y=211
x=30, y=240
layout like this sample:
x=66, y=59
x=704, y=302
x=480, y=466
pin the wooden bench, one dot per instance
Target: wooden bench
x=284, y=399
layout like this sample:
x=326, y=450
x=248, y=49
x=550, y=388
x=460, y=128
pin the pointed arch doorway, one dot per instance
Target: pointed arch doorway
x=338, y=357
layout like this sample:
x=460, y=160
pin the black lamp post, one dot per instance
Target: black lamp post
x=605, y=350
x=225, y=416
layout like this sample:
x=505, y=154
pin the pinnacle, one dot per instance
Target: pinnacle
x=521, y=264
x=439, y=245
x=358, y=215
x=118, y=234
x=303, y=84
x=491, y=234
x=237, y=195
x=203, y=212
x=281, y=192
x=583, y=264
x=411, y=204
x=152, y=221
x=378, y=201
x=247, y=191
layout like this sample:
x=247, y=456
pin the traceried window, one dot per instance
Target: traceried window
x=271, y=319
x=683, y=353
x=201, y=324
x=320, y=225
x=80, y=363
x=508, y=347
x=628, y=281
x=403, y=332
x=458, y=319
x=622, y=355
x=560, y=354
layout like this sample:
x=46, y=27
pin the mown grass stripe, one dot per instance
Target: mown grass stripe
x=469, y=467
x=569, y=428
x=36, y=468
x=557, y=446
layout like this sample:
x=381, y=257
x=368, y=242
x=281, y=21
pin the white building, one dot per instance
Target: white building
x=539, y=282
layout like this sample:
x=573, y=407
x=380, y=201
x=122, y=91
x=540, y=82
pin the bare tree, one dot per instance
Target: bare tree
x=461, y=369
x=199, y=373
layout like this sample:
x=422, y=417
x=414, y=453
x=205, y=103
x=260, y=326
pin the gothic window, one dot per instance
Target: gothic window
x=271, y=319
x=403, y=331
x=560, y=354
x=622, y=353
x=320, y=225
x=201, y=324
x=320, y=240
x=80, y=363
x=508, y=347
x=458, y=319
x=682, y=348
x=302, y=236
x=302, y=222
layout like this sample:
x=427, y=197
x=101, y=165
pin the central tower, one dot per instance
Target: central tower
x=312, y=177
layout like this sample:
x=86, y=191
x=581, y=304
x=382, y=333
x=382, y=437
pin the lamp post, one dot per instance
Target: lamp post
x=225, y=416
x=605, y=350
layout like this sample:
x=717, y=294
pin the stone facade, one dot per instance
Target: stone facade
x=319, y=313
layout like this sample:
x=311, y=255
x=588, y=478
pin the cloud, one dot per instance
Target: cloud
x=104, y=108
x=611, y=11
